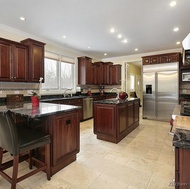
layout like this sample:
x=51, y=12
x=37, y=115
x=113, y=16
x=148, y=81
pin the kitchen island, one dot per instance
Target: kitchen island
x=114, y=119
x=61, y=122
x=181, y=142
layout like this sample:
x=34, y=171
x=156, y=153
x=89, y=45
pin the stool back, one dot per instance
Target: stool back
x=8, y=133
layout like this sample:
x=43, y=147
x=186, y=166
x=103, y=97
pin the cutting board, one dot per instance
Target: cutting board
x=182, y=122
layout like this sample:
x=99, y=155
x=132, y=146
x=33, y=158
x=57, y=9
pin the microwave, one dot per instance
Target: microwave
x=185, y=76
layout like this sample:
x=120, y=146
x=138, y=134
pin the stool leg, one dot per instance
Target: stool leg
x=47, y=160
x=15, y=171
x=30, y=159
x=1, y=156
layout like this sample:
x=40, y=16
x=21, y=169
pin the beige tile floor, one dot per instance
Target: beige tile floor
x=142, y=160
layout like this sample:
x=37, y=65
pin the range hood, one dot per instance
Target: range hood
x=186, y=42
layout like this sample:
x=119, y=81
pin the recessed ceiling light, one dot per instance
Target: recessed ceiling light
x=136, y=49
x=89, y=47
x=178, y=42
x=119, y=36
x=125, y=41
x=64, y=36
x=22, y=18
x=172, y=3
x=176, y=29
x=112, y=30
x=105, y=54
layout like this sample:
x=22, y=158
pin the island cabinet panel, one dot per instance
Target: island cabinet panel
x=106, y=125
x=114, y=121
x=64, y=131
x=122, y=112
x=66, y=138
x=130, y=117
x=182, y=168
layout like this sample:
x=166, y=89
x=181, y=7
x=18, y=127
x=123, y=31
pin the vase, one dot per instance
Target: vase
x=35, y=101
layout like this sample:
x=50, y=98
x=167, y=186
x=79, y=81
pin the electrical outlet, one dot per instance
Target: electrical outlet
x=16, y=92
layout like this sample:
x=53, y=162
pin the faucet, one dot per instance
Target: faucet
x=64, y=94
x=117, y=97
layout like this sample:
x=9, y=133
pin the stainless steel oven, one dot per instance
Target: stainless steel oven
x=87, y=108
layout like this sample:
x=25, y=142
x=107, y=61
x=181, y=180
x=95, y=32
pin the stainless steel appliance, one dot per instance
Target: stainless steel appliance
x=160, y=90
x=87, y=108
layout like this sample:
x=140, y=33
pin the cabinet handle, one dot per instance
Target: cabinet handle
x=68, y=122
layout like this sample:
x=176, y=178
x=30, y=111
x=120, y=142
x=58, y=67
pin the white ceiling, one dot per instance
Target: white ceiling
x=147, y=24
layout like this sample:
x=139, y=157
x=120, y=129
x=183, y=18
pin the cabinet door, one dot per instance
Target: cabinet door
x=94, y=74
x=130, y=108
x=122, y=112
x=106, y=73
x=136, y=110
x=36, y=59
x=66, y=136
x=5, y=61
x=99, y=72
x=115, y=75
x=169, y=58
x=84, y=70
x=20, y=63
x=151, y=60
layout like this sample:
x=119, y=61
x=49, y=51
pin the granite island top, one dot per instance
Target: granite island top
x=44, y=109
x=181, y=137
x=115, y=101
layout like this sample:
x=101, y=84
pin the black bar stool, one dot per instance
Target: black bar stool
x=19, y=142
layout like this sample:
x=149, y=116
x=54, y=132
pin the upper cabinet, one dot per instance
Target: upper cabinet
x=98, y=73
x=161, y=58
x=84, y=70
x=13, y=61
x=151, y=60
x=115, y=74
x=106, y=70
x=36, y=59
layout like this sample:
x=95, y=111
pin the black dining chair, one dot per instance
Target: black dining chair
x=19, y=141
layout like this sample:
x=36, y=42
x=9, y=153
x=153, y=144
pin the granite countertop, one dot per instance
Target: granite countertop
x=181, y=137
x=115, y=101
x=44, y=109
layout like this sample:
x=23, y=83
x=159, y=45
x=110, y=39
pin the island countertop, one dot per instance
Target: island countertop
x=44, y=109
x=115, y=101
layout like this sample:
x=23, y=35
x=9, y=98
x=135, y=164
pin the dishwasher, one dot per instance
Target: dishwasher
x=87, y=108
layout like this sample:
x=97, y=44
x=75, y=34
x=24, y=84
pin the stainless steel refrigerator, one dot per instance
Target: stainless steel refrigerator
x=160, y=90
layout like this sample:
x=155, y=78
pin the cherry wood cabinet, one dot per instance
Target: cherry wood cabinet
x=106, y=73
x=173, y=57
x=113, y=122
x=161, y=58
x=65, y=138
x=99, y=73
x=151, y=60
x=36, y=59
x=13, y=61
x=182, y=168
x=115, y=74
x=84, y=70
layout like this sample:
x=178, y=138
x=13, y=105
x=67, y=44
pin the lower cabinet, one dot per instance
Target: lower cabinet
x=64, y=131
x=113, y=122
x=65, y=139
x=182, y=168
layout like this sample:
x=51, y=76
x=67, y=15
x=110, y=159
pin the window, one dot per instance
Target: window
x=132, y=82
x=59, y=73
